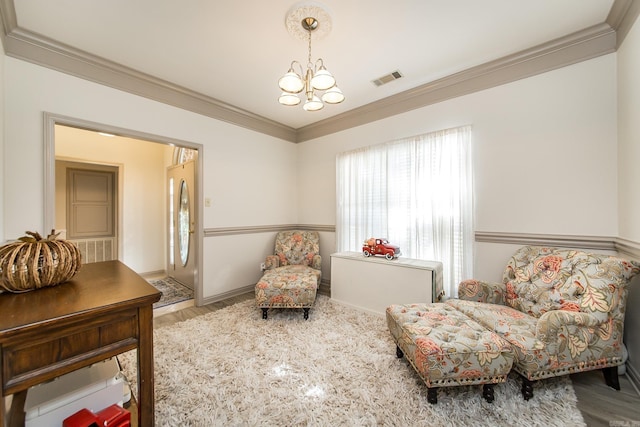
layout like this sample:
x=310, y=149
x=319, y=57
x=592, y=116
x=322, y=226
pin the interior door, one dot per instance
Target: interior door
x=91, y=211
x=182, y=223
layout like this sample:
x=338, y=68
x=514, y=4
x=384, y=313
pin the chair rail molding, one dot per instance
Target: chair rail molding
x=623, y=246
x=252, y=229
x=628, y=248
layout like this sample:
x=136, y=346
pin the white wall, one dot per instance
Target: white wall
x=2, y=139
x=544, y=151
x=629, y=134
x=246, y=174
x=544, y=154
x=629, y=177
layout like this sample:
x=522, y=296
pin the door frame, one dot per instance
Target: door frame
x=51, y=119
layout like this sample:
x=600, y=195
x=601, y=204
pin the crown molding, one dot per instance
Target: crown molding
x=35, y=48
x=580, y=46
x=8, y=18
x=622, y=16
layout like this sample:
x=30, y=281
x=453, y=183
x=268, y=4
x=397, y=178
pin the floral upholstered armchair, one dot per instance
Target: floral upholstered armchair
x=292, y=275
x=561, y=310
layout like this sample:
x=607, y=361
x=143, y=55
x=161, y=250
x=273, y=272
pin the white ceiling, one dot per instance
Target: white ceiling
x=236, y=50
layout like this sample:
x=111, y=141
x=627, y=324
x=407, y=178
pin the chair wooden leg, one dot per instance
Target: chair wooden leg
x=306, y=313
x=399, y=353
x=432, y=395
x=264, y=312
x=527, y=388
x=611, y=377
x=487, y=392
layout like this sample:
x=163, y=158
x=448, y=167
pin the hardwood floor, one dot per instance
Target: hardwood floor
x=600, y=405
x=603, y=406
x=193, y=311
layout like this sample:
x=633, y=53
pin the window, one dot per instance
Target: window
x=417, y=192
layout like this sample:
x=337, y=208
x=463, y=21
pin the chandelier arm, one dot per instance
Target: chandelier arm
x=299, y=65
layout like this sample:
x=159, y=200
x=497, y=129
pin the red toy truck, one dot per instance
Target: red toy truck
x=377, y=246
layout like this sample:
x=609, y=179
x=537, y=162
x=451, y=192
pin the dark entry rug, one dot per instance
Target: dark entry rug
x=172, y=291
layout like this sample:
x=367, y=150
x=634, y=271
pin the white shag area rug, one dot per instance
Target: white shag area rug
x=339, y=368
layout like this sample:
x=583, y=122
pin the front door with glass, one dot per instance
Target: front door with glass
x=182, y=223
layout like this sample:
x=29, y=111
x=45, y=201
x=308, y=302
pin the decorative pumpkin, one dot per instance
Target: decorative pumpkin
x=34, y=262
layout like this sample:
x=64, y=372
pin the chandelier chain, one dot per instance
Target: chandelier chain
x=309, y=63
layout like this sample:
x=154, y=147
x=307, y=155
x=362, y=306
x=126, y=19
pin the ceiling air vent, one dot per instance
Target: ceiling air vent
x=395, y=75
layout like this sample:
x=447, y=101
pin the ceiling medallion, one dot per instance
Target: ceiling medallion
x=304, y=10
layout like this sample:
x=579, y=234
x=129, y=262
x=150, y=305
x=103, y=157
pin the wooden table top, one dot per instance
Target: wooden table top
x=97, y=287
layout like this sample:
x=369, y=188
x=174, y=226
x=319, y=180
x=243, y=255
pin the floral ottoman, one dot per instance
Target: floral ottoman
x=447, y=348
x=290, y=286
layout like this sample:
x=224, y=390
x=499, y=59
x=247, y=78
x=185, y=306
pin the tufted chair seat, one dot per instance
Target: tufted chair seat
x=292, y=274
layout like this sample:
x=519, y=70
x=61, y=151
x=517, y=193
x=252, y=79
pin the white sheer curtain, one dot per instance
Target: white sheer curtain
x=417, y=192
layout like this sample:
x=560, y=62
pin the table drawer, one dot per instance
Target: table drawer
x=50, y=352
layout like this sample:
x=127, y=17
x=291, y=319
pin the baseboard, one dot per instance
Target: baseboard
x=156, y=273
x=358, y=308
x=634, y=377
x=228, y=294
x=172, y=308
x=325, y=287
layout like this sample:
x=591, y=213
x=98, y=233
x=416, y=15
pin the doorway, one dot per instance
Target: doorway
x=127, y=237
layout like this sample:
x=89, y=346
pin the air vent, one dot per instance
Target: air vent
x=395, y=75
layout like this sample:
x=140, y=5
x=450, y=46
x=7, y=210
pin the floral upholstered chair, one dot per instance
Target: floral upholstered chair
x=292, y=275
x=561, y=310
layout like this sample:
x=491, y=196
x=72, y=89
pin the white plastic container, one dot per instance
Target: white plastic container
x=94, y=387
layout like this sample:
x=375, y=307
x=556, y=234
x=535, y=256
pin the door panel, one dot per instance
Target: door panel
x=182, y=225
x=90, y=204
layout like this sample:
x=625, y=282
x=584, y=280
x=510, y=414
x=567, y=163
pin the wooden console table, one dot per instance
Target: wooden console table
x=106, y=309
x=374, y=283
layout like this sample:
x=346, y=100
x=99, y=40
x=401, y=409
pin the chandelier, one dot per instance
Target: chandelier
x=316, y=77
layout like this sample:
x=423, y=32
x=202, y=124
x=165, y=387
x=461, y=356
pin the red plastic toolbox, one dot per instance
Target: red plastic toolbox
x=82, y=418
x=114, y=416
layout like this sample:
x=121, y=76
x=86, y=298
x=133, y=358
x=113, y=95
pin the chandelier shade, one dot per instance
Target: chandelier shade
x=291, y=82
x=323, y=80
x=316, y=77
x=313, y=104
x=333, y=96
x=287, y=98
